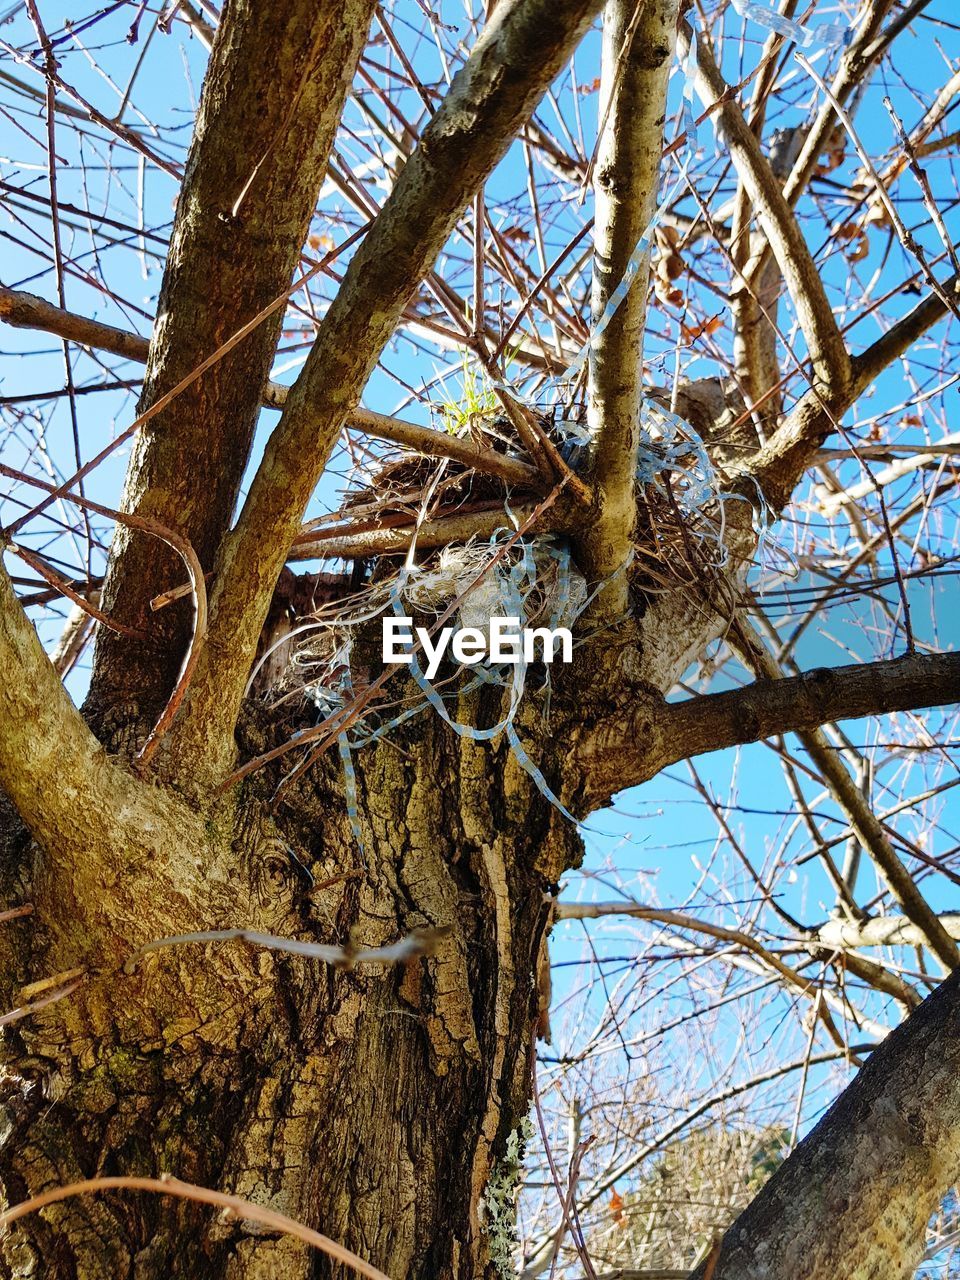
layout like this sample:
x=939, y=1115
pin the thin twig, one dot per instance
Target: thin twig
x=244, y=1210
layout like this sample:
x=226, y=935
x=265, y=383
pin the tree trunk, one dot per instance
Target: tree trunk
x=370, y=1104
x=855, y=1197
x=385, y=1105
x=272, y=98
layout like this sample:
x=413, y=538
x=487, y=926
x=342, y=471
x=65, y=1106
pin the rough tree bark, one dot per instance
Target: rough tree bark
x=272, y=99
x=372, y=1103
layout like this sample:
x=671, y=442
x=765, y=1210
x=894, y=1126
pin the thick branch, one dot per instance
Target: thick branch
x=539, y=1256
x=778, y=466
x=625, y=750
x=441, y=445
x=51, y=766
x=755, y=301
x=868, y=43
x=519, y=52
x=27, y=311
x=881, y=931
x=272, y=98
x=337, y=544
x=855, y=1197
x=635, y=66
x=856, y=62
x=903, y=334
x=804, y=702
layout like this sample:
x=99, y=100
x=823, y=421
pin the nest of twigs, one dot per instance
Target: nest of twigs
x=678, y=538
x=423, y=488
x=677, y=542
x=674, y=546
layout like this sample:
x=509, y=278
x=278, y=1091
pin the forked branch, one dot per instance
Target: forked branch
x=518, y=53
x=777, y=467
x=51, y=766
x=828, y=352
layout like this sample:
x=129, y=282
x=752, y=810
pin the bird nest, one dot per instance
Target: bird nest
x=329, y=656
x=678, y=541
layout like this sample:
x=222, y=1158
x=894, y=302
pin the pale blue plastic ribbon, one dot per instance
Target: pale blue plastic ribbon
x=671, y=453
x=828, y=35
x=350, y=791
x=328, y=701
x=520, y=578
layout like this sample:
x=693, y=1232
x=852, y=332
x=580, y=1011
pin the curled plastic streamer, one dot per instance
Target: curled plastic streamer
x=350, y=790
x=677, y=442
x=512, y=586
x=329, y=699
x=668, y=445
x=507, y=589
x=511, y=598
x=827, y=35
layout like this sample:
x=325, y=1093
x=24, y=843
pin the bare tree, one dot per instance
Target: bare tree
x=277, y=910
